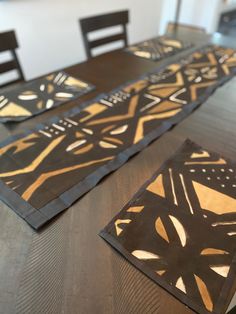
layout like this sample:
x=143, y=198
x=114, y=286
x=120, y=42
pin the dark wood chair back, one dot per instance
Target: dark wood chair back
x=172, y=27
x=99, y=22
x=8, y=42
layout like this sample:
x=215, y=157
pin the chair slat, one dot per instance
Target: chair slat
x=7, y=66
x=103, y=21
x=8, y=42
x=106, y=40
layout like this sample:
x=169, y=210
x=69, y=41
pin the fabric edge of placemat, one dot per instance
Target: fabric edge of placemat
x=91, y=87
x=104, y=233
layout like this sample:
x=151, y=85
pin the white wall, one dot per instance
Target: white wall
x=49, y=34
x=203, y=13
x=48, y=30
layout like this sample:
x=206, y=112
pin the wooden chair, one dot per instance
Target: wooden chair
x=8, y=42
x=99, y=22
x=172, y=27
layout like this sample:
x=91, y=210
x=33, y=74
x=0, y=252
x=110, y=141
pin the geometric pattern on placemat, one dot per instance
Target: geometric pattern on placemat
x=44, y=171
x=180, y=228
x=158, y=48
x=32, y=98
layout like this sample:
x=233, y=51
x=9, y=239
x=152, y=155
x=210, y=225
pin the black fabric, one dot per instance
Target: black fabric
x=180, y=228
x=44, y=171
x=158, y=48
x=32, y=98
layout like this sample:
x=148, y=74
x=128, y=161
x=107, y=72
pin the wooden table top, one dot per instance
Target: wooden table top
x=67, y=267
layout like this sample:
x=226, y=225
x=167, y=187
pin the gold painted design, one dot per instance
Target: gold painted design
x=131, y=112
x=203, y=154
x=195, y=87
x=71, y=81
x=180, y=285
x=119, y=222
x=76, y=144
x=157, y=187
x=223, y=223
x=160, y=229
x=212, y=58
x=179, y=82
x=144, y=54
x=63, y=95
x=180, y=230
x=27, y=95
x=113, y=140
x=83, y=150
x=136, y=209
x=144, y=255
x=226, y=69
x=221, y=270
x=79, y=134
x=87, y=131
x=173, y=43
x=21, y=144
x=137, y=86
x=212, y=251
x=49, y=103
x=172, y=186
x=185, y=193
x=206, y=298
x=93, y=110
x=104, y=144
x=231, y=60
x=165, y=92
x=45, y=176
x=214, y=201
x=120, y=130
x=14, y=110
x=231, y=234
x=175, y=95
x=50, y=88
x=108, y=128
x=50, y=77
x=221, y=161
x=164, y=106
x=40, y=104
x=37, y=161
x=140, y=126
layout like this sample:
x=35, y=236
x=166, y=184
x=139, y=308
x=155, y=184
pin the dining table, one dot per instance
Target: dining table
x=65, y=267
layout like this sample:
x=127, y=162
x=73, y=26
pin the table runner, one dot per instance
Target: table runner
x=33, y=98
x=42, y=172
x=157, y=48
x=180, y=228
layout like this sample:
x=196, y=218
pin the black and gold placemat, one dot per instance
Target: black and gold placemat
x=158, y=48
x=180, y=229
x=43, y=171
x=32, y=98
